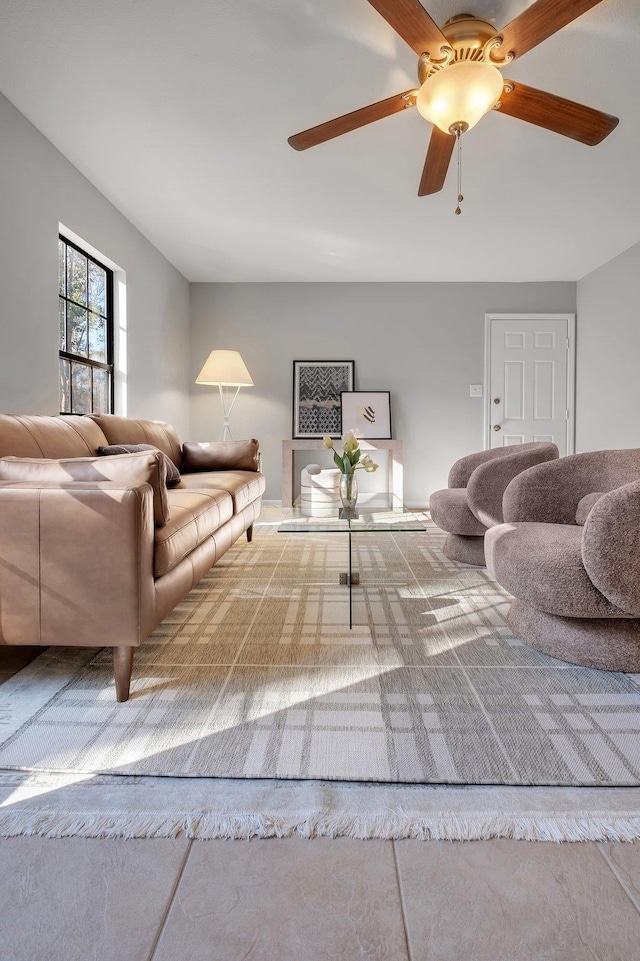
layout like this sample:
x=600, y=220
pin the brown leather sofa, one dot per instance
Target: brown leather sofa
x=96, y=551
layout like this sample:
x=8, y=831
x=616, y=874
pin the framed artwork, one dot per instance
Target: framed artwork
x=368, y=412
x=317, y=386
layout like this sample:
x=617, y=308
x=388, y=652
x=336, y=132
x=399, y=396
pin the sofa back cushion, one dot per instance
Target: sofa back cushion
x=139, y=430
x=221, y=455
x=24, y=435
x=127, y=470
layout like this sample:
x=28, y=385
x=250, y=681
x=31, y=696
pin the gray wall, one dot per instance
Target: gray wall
x=423, y=342
x=608, y=383
x=39, y=188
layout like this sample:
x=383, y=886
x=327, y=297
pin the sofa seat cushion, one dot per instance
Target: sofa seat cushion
x=450, y=511
x=195, y=516
x=243, y=486
x=541, y=564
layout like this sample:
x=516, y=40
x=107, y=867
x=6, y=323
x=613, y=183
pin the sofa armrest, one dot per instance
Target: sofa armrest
x=550, y=493
x=611, y=547
x=490, y=480
x=127, y=470
x=76, y=564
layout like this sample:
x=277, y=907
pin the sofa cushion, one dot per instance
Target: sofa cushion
x=222, y=455
x=129, y=470
x=47, y=436
x=541, y=564
x=243, y=486
x=111, y=450
x=450, y=511
x=584, y=507
x=131, y=430
x=195, y=516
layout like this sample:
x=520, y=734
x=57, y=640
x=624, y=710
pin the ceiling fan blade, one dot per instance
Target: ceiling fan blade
x=411, y=21
x=541, y=20
x=557, y=114
x=353, y=120
x=437, y=163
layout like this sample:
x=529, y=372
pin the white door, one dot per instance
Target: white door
x=530, y=379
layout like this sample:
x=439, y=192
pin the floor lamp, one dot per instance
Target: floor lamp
x=225, y=369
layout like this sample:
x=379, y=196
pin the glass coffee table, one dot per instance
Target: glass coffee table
x=375, y=514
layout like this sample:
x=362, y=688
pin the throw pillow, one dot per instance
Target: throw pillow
x=221, y=455
x=173, y=474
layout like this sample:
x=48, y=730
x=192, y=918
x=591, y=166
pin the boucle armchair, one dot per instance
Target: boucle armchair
x=473, y=500
x=569, y=552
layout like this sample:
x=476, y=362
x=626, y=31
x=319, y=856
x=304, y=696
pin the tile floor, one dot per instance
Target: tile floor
x=321, y=900
x=297, y=900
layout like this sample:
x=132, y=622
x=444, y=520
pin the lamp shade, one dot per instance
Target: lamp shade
x=225, y=368
x=460, y=94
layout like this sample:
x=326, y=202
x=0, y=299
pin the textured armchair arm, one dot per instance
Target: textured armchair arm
x=461, y=472
x=611, y=547
x=550, y=493
x=76, y=564
x=490, y=480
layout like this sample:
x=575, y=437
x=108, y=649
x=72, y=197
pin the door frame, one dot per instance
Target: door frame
x=571, y=370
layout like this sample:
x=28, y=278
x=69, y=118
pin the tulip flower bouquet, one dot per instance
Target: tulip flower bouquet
x=348, y=463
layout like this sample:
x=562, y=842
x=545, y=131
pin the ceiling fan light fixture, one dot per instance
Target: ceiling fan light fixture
x=458, y=96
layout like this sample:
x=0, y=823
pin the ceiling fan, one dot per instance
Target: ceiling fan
x=460, y=81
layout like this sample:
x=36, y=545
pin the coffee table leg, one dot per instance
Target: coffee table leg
x=350, y=588
x=350, y=577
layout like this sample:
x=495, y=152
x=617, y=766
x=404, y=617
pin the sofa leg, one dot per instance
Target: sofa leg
x=250, y=533
x=122, y=665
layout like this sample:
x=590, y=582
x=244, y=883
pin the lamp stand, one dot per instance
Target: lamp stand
x=226, y=409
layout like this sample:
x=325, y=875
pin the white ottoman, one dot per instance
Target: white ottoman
x=319, y=491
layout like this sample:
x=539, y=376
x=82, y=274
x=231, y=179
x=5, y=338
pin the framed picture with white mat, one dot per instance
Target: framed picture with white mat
x=368, y=412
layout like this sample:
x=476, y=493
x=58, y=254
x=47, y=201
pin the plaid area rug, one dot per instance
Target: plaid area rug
x=256, y=675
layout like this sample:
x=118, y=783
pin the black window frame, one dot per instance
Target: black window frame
x=110, y=329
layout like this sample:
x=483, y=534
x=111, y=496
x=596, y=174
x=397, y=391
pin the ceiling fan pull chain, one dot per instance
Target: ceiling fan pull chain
x=460, y=195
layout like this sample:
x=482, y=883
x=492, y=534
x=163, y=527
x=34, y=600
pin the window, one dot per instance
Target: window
x=85, y=288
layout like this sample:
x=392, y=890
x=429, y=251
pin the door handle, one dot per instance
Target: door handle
x=497, y=427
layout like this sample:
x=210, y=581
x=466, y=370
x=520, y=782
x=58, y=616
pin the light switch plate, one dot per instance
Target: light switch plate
x=475, y=390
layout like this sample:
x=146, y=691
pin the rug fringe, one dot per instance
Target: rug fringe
x=207, y=825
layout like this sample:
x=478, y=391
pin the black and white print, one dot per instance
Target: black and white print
x=368, y=412
x=317, y=386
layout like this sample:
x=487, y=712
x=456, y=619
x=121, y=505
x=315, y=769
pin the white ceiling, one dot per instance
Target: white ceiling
x=179, y=112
